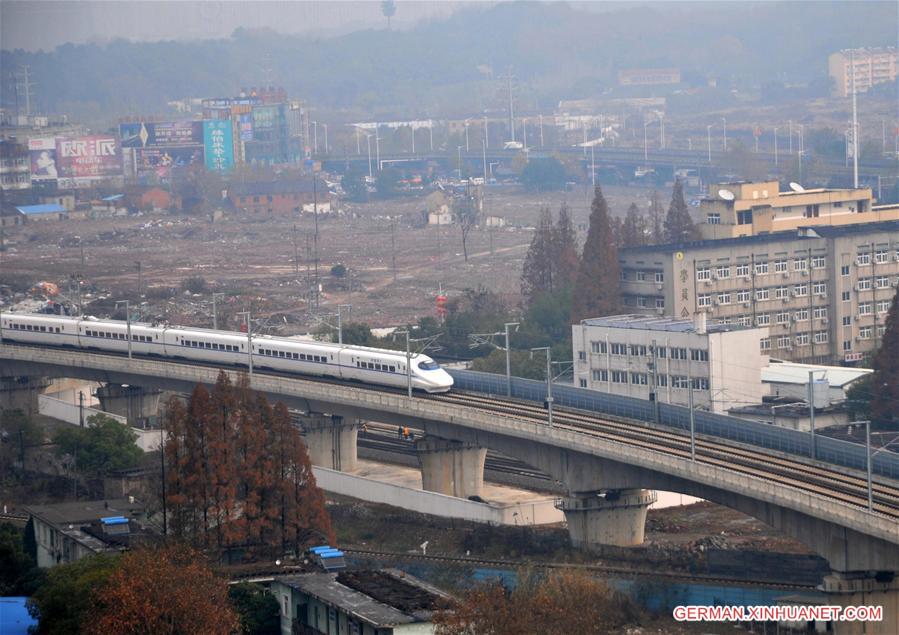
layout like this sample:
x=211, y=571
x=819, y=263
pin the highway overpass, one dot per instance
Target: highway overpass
x=606, y=464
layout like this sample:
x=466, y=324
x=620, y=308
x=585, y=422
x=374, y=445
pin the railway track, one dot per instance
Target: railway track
x=818, y=478
x=675, y=576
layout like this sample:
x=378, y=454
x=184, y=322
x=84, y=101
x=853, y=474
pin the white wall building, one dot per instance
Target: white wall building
x=629, y=354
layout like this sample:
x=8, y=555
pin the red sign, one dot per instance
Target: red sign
x=93, y=157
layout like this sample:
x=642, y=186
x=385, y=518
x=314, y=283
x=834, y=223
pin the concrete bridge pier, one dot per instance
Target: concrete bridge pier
x=454, y=468
x=20, y=393
x=863, y=588
x=607, y=517
x=139, y=406
x=331, y=441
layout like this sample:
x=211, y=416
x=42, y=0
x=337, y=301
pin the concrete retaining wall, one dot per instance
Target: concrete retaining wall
x=147, y=440
x=536, y=513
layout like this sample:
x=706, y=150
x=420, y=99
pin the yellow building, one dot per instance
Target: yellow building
x=748, y=209
x=872, y=66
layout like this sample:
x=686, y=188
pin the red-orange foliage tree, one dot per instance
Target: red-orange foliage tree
x=563, y=602
x=239, y=475
x=169, y=590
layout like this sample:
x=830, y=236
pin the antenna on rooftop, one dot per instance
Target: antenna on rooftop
x=727, y=195
x=796, y=187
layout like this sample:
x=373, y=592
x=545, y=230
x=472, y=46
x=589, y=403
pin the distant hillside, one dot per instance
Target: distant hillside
x=442, y=68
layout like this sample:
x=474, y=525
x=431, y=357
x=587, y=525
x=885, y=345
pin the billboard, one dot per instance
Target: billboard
x=163, y=134
x=162, y=159
x=246, y=127
x=94, y=157
x=219, y=145
x=43, y=158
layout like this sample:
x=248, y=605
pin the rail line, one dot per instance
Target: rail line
x=247, y=572
x=815, y=478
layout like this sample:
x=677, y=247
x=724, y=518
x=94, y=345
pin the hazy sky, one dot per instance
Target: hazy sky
x=44, y=24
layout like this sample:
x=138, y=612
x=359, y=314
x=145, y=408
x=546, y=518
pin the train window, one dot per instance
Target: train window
x=392, y=369
x=43, y=329
x=428, y=365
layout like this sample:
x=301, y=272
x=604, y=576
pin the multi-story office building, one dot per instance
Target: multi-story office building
x=635, y=355
x=749, y=209
x=823, y=292
x=872, y=66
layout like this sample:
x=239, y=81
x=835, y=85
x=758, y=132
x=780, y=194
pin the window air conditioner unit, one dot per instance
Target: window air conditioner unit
x=804, y=272
x=745, y=304
x=786, y=274
x=824, y=320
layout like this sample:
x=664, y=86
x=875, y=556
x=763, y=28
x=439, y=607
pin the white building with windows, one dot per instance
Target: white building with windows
x=636, y=355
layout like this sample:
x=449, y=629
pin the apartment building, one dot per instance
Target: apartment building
x=749, y=209
x=823, y=292
x=872, y=66
x=636, y=355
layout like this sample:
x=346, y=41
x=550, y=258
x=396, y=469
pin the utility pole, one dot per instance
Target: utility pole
x=296, y=253
x=854, y=125
x=249, y=342
x=215, y=318
x=315, y=238
x=549, y=381
x=340, y=321
x=127, y=322
x=139, y=279
x=810, y=395
x=393, y=248
x=511, y=108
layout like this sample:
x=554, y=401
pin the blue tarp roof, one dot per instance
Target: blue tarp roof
x=114, y=520
x=49, y=208
x=114, y=197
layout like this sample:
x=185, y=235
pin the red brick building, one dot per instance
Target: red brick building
x=276, y=197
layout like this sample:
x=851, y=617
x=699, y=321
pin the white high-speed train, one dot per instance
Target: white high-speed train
x=369, y=365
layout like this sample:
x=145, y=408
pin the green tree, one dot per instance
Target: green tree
x=19, y=574
x=17, y=433
x=596, y=289
x=565, y=250
x=521, y=363
x=633, y=229
x=354, y=185
x=543, y=175
x=65, y=600
x=538, y=271
x=679, y=225
x=885, y=378
x=387, y=182
x=104, y=446
x=656, y=220
x=465, y=210
x=257, y=608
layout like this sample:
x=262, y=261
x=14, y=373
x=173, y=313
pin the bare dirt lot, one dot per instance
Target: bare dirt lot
x=268, y=263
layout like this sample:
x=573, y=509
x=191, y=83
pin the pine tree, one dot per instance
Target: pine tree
x=656, y=219
x=538, y=270
x=565, y=250
x=885, y=378
x=633, y=229
x=679, y=227
x=596, y=288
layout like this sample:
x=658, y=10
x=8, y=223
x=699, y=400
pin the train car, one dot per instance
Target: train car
x=358, y=363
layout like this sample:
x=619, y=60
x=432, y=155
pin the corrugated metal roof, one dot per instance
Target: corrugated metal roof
x=792, y=373
x=48, y=208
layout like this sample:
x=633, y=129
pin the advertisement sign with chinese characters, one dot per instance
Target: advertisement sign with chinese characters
x=161, y=134
x=163, y=159
x=218, y=145
x=93, y=157
x=43, y=158
x=246, y=127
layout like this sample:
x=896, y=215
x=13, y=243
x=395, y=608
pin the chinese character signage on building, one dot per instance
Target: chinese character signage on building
x=43, y=158
x=246, y=127
x=163, y=134
x=218, y=143
x=88, y=157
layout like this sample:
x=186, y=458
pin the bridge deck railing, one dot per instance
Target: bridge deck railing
x=827, y=449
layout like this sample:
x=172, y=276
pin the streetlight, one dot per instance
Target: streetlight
x=378, y=146
x=593, y=164
x=127, y=321
x=249, y=342
x=810, y=393
x=340, y=321
x=549, y=381
x=724, y=119
x=315, y=137
x=459, y=148
x=541, y=130
x=215, y=317
x=486, y=136
x=484, y=148
x=368, y=141
x=326, y=137
x=466, y=135
x=708, y=133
